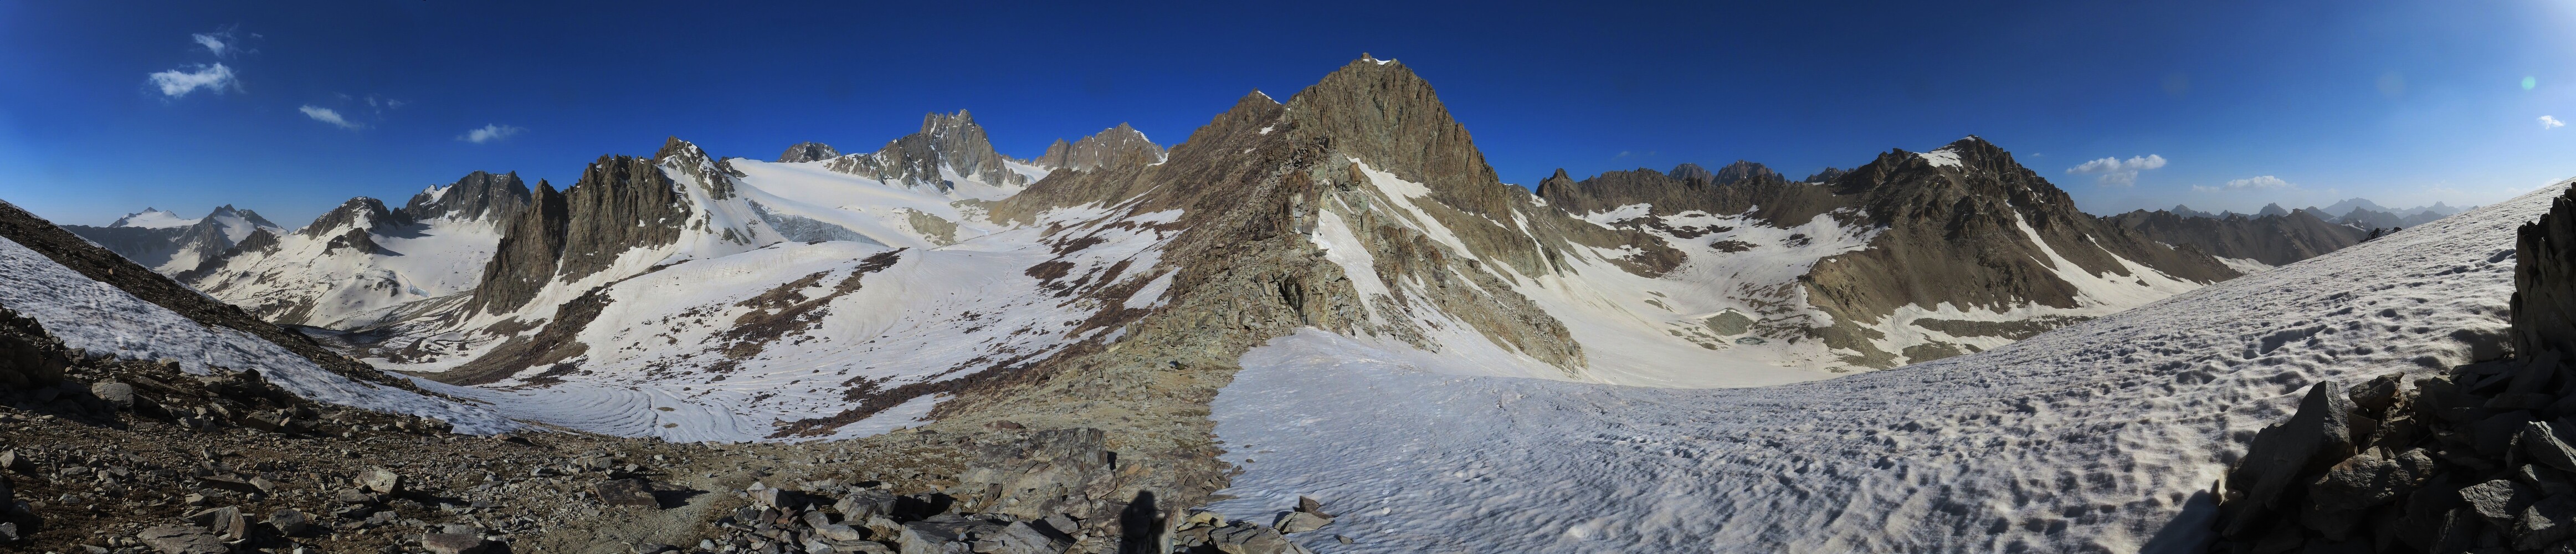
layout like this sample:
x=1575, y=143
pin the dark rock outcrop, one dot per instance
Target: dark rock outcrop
x=2544, y=282
x=479, y=195
x=361, y=213
x=808, y=152
x=2472, y=459
x=524, y=262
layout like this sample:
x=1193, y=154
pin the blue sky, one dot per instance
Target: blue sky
x=2218, y=105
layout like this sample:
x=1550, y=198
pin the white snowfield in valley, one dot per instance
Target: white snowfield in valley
x=671, y=357
x=70, y=306
x=2103, y=436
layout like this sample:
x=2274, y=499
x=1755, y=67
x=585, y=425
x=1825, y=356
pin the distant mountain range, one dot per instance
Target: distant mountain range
x=2356, y=212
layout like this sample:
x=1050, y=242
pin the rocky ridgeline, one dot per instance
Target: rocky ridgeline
x=952, y=141
x=1115, y=147
x=2477, y=458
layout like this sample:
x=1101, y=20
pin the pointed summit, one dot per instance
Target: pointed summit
x=1385, y=114
x=477, y=195
x=951, y=141
x=808, y=152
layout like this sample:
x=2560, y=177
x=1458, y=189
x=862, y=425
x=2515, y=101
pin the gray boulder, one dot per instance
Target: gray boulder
x=934, y=535
x=2545, y=446
x=861, y=505
x=289, y=522
x=2545, y=523
x=2498, y=501
x=182, y=539
x=454, y=543
x=1019, y=537
x=116, y=394
x=381, y=480
x=2320, y=431
x=1248, y=538
x=1300, y=522
x=226, y=522
x=627, y=492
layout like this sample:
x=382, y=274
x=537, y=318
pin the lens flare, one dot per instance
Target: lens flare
x=2528, y=82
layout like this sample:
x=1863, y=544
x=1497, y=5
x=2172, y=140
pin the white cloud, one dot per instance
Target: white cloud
x=2117, y=172
x=2547, y=122
x=214, y=42
x=2264, y=182
x=488, y=133
x=176, y=83
x=327, y=115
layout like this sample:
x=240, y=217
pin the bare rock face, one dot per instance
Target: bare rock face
x=478, y=195
x=1121, y=146
x=951, y=141
x=2271, y=239
x=525, y=260
x=808, y=152
x=29, y=357
x=2544, y=282
x=620, y=203
x=360, y=213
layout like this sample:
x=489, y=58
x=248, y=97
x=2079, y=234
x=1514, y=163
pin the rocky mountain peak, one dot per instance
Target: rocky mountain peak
x=1553, y=185
x=951, y=141
x=360, y=213
x=686, y=158
x=808, y=152
x=1828, y=175
x=1382, y=112
x=1745, y=171
x=477, y=195
x=2272, y=209
x=1118, y=146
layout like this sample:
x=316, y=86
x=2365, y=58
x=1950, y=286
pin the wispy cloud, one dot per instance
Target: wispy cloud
x=327, y=115
x=2117, y=172
x=176, y=83
x=2547, y=122
x=488, y=133
x=216, y=42
x=2264, y=182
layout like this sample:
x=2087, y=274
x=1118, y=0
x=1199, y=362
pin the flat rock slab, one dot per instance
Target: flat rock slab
x=454, y=543
x=177, y=539
x=627, y=492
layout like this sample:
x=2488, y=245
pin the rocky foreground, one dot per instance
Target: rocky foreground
x=101, y=455
x=2474, y=458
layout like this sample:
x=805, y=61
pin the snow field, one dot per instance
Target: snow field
x=98, y=317
x=2100, y=437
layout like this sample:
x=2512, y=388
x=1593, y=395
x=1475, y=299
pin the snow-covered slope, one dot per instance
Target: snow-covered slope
x=153, y=218
x=361, y=264
x=2103, y=436
x=100, y=318
x=170, y=244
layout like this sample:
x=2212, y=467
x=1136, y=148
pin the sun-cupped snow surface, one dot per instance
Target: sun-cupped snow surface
x=98, y=317
x=2103, y=436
